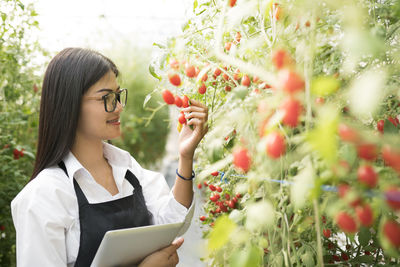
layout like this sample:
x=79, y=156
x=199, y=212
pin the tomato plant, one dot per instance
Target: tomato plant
x=296, y=102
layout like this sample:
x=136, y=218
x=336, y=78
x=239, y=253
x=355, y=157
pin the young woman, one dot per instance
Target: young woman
x=81, y=186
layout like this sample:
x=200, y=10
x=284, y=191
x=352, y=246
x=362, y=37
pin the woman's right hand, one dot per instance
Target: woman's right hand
x=166, y=257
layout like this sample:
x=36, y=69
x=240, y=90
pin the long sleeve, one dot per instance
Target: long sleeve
x=40, y=222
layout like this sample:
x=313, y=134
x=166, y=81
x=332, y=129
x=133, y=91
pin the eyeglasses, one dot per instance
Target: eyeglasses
x=110, y=99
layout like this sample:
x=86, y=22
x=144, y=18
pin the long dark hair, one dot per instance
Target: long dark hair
x=68, y=76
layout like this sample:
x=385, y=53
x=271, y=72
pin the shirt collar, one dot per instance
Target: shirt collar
x=114, y=155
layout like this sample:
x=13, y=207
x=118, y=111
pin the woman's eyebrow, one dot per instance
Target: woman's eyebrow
x=107, y=90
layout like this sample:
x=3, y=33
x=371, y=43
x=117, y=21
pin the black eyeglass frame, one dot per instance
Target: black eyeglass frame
x=116, y=98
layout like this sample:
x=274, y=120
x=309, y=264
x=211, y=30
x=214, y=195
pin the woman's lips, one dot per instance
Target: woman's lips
x=114, y=121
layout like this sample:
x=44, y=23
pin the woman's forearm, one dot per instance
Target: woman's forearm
x=183, y=189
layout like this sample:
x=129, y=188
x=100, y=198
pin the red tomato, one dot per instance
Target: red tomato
x=16, y=153
x=215, y=173
x=217, y=72
x=202, y=218
x=174, y=79
x=345, y=257
x=291, y=81
x=212, y=187
x=391, y=157
x=228, y=46
x=219, y=189
x=367, y=151
x=235, y=199
x=391, y=230
x=343, y=189
x=241, y=159
x=367, y=176
x=308, y=23
x=255, y=79
x=238, y=36
x=237, y=75
x=178, y=101
x=228, y=88
x=380, y=125
x=231, y=2
x=276, y=145
x=231, y=204
x=392, y=195
x=185, y=101
x=227, y=196
x=279, y=58
x=394, y=121
x=291, y=109
x=238, y=195
x=205, y=77
x=348, y=134
x=168, y=97
x=346, y=222
x=326, y=233
x=225, y=76
x=199, y=185
x=245, y=81
x=205, y=183
x=35, y=88
x=214, y=198
x=190, y=71
x=202, y=89
x=182, y=119
x=365, y=215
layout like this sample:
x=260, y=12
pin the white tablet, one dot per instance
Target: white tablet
x=127, y=246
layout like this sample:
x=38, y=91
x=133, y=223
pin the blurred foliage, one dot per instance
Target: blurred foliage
x=19, y=109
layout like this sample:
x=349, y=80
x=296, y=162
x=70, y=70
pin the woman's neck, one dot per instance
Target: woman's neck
x=88, y=152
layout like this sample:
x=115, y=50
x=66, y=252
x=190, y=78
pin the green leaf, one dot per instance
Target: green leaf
x=246, y=258
x=186, y=25
x=159, y=45
x=364, y=236
x=195, y=4
x=153, y=73
x=3, y=16
x=324, y=85
x=308, y=259
x=364, y=259
x=219, y=236
x=390, y=128
x=323, y=138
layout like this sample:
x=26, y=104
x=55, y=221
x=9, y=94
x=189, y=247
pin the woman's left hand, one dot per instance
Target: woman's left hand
x=197, y=115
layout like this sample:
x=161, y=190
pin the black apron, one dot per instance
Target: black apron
x=96, y=219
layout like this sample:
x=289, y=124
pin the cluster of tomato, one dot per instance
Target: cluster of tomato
x=368, y=178
x=291, y=83
x=17, y=154
x=221, y=198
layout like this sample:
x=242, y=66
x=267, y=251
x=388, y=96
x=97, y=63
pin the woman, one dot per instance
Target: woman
x=81, y=186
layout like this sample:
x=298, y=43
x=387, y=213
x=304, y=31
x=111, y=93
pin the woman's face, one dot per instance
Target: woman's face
x=94, y=122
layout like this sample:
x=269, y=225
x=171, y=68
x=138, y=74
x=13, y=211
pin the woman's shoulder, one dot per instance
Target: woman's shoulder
x=50, y=185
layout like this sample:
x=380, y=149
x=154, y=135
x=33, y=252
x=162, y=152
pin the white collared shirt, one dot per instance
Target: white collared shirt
x=46, y=213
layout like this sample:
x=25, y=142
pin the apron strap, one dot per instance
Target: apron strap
x=79, y=194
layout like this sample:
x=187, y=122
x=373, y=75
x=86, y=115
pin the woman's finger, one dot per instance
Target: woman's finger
x=199, y=115
x=197, y=103
x=194, y=109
